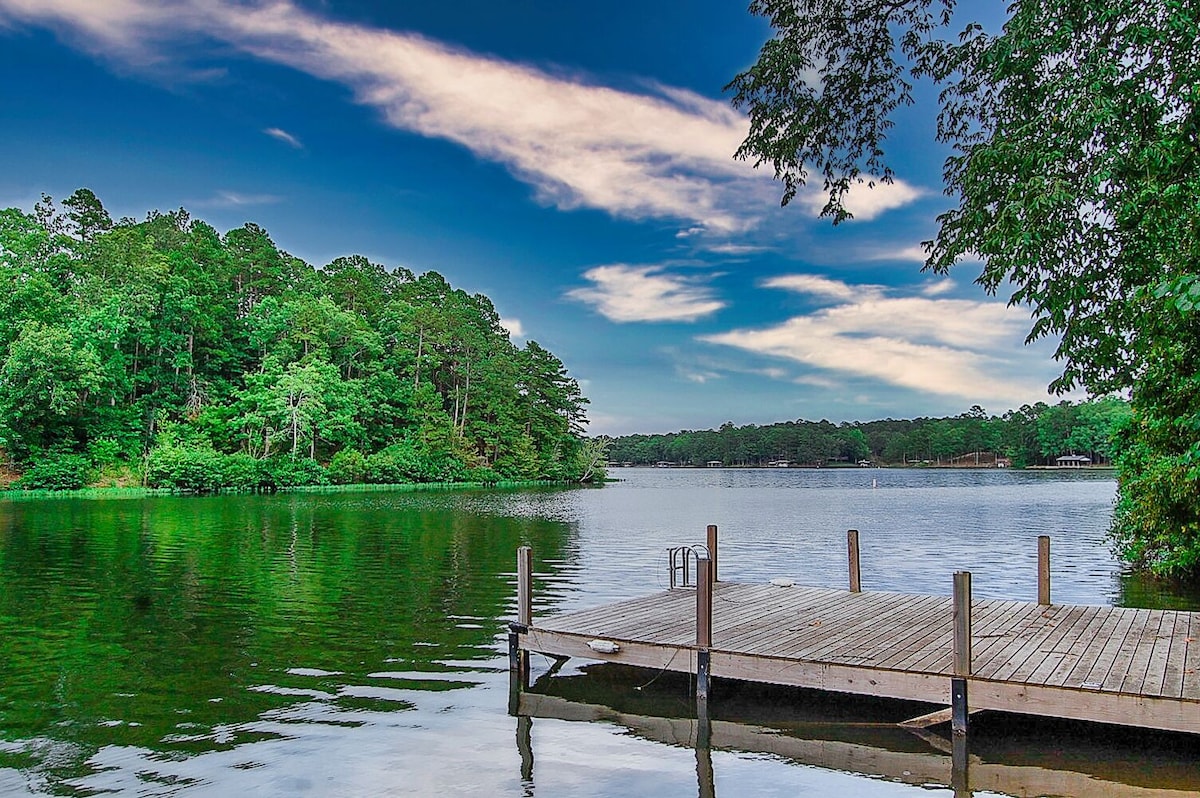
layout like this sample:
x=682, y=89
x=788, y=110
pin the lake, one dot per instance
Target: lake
x=354, y=643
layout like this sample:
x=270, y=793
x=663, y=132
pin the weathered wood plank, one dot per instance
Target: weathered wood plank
x=1051, y=652
x=937, y=654
x=1071, y=645
x=1090, y=642
x=1029, y=627
x=1094, y=668
x=1190, y=683
x=814, y=624
x=1124, y=657
x=1165, y=651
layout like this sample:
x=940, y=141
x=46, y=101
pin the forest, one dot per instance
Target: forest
x=162, y=353
x=1033, y=435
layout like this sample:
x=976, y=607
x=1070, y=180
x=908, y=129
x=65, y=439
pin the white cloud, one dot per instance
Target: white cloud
x=284, y=136
x=699, y=377
x=735, y=249
x=513, y=326
x=818, y=286
x=938, y=287
x=914, y=253
x=625, y=293
x=864, y=201
x=951, y=347
x=665, y=153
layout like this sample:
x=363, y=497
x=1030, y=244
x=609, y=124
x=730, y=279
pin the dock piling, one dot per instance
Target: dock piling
x=962, y=652
x=855, y=574
x=1043, y=569
x=712, y=549
x=518, y=658
x=704, y=591
x=525, y=585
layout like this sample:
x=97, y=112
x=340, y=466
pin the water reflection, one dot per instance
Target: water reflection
x=1009, y=755
x=181, y=626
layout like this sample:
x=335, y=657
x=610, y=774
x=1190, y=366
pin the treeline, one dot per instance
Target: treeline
x=164, y=353
x=1034, y=435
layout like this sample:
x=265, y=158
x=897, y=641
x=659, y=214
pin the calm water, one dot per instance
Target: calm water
x=352, y=644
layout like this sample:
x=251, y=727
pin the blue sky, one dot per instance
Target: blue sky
x=572, y=161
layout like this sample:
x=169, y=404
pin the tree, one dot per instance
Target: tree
x=1075, y=166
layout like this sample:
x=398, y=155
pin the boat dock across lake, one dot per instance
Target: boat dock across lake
x=1134, y=667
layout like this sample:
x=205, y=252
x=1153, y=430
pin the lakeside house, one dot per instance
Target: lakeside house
x=1073, y=461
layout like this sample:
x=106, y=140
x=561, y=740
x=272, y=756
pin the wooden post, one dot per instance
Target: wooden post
x=1043, y=569
x=704, y=591
x=712, y=549
x=703, y=602
x=960, y=767
x=852, y=546
x=518, y=660
x=962, y=652
x=525, y=585
x=705, y=781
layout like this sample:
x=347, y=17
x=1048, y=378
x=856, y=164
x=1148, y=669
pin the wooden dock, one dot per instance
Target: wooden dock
x=1124, y=666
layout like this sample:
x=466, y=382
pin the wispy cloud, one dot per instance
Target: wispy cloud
x=235, y=199
x=284, y=136
x=914, y=253
x=866, y=201
x=938, y=288
x=664, y=153
x=822, y=287
x=949, y=347
x=735, y=250
x=625, y=293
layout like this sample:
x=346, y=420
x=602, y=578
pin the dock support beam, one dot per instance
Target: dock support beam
x=1043, y=569
x=852, y=548
x=704, y=591
x=962, y=653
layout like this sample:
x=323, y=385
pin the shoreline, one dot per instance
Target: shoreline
x=365, y=487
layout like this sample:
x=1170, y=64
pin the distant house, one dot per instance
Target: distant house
x=664, y=464
x=1073, y=461
x=714, y=464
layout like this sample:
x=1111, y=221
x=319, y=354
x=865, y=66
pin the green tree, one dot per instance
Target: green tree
x=1075, y=166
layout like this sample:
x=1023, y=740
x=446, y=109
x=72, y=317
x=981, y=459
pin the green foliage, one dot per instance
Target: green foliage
x=282, y=471
x=1157, y=519
x=57, y=470
x=403, y=462
x=104, y=451
x=224, y=362
x=1086, y=428
x=1075, y=166
x=199, y=469
x=348, y=467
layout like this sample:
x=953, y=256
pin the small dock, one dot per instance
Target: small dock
x=1132, y=667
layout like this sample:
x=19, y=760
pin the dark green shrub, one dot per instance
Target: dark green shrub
x=57, y=470
x=402, y=463
x=481, y=474
x=240, y=471
x=348, y=467
x=284, y=472
x=200, y=470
